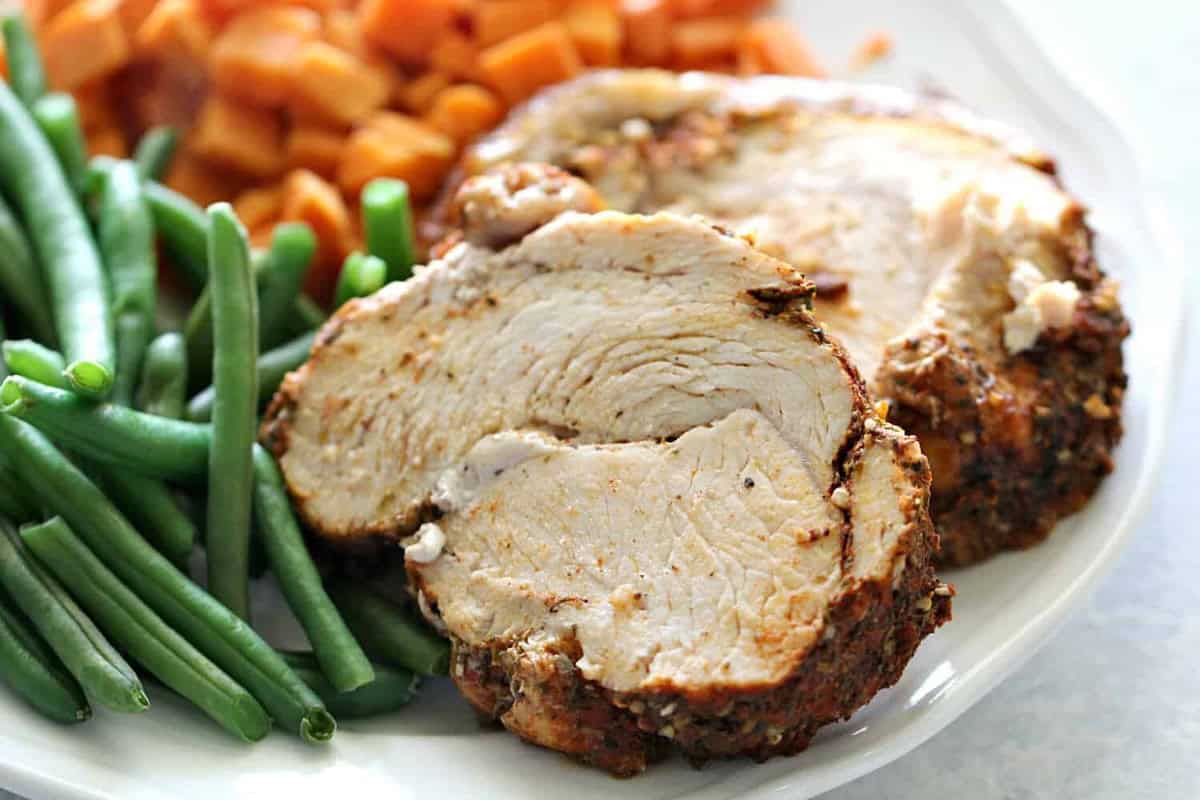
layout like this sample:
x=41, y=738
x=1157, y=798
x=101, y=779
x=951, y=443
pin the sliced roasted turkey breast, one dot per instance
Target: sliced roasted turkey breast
x=639, y=490
x=947, y=259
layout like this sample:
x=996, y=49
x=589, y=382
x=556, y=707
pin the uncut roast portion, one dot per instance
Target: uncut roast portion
x=947, y=259
x=640, y=491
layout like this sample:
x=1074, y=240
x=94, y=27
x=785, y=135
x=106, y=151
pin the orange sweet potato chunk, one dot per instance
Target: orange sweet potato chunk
x=596, y=30
x=465, y=111
x=779, y=48
x=336, y=84
x=456, y=55
x=518, y=67
x=406, y=28
x=647, y=27
x=396, y=146
x=203, y=182
x=418, y=95
x=252, y=58
x=686, y=9
x=174, y=28
x=704, y=43
x=260, y=206
x=84, y=42
x=315, y=149
x=310, y=199
x=497, y=20
x=242, y=137
x=106, y=140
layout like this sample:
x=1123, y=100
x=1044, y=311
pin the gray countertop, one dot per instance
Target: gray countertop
x=1111, y=707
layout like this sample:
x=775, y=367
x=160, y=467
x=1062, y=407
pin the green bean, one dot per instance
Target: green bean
x=391, y=690
x=198, y=338
x=293, y=246
x=104, y=675
x=390, y=632
x=3, y=339
x=272, y=367
x=143, y=634
x=33, y=672
x=152, y=446
x=387, y=220
x=210, y=626
x=308, y=316
x=21, y=282
x=342, y=659
x=32, y=178
x=154, y=151
x=230, y=467
x=151, y=507
x=183, y=228
x=133, y=335
x=26, y=74
x=163, y=389
x=13, y=499
x=126, y=234
x=58, y=117
x=127, y=246
x=361, y=275
x=38, y=363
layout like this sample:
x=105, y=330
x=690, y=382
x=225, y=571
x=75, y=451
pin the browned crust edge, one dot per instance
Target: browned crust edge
x=1027, y=439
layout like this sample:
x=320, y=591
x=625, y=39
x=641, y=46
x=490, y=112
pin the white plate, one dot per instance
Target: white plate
x=1005, y=609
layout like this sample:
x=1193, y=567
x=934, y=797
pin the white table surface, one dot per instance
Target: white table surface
x=1111, y=707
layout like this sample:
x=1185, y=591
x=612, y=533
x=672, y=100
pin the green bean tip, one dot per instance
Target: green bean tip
x=89, y=377
x=317, y=726
x=12, y=399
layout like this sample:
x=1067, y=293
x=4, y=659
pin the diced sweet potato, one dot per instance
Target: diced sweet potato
x=686, y=9
x=703, y=43
x=84, y=42
x=315, y=149
x=133, y=13
x=106, y=140
x=252, y=58
x=203, y=182
x=596, y=30
x=647, y=26
x=310, y=199
x=463, y=112
x=518, y=67
x=39, y=12
x=779, y=48
x=396, y=146
x=174, y=28
x=418, y=95
x=405, y=28
x=260, y=206
x=245, y=138
x=455, y=55
x=497, y=20
x=337, y=85
x=341, y=29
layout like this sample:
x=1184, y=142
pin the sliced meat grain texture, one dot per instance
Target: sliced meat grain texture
x=948, y=259
x=640, y=491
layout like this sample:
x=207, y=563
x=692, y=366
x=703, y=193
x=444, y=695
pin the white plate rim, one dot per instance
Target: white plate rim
x=998, y=25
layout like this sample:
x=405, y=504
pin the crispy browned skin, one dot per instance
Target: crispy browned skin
x=1016, y=441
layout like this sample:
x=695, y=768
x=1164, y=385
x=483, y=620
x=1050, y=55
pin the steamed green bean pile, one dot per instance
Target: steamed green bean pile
x=114, y=479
